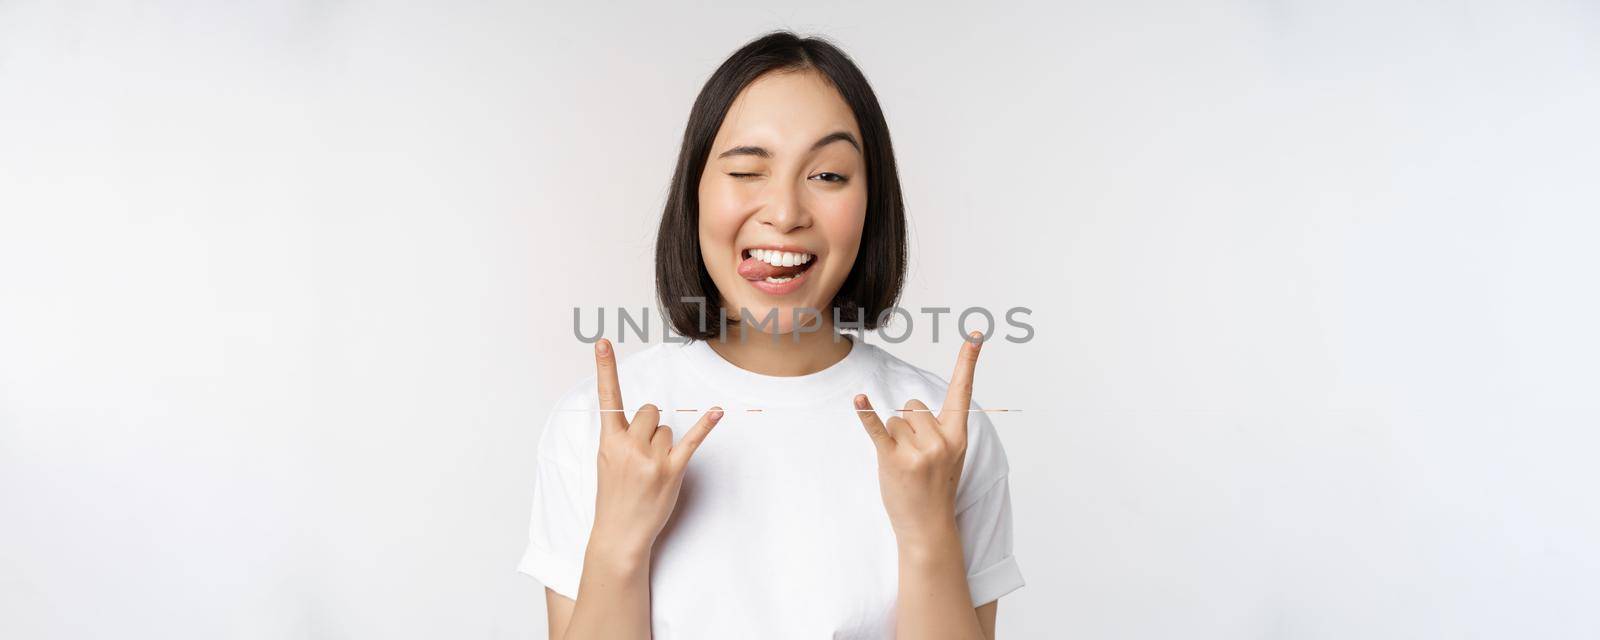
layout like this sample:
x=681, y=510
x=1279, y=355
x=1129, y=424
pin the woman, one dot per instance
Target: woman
x=785, y=199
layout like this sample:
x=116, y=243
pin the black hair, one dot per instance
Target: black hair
x=688, y=296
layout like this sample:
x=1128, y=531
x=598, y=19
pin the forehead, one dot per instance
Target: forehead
x=786, y=110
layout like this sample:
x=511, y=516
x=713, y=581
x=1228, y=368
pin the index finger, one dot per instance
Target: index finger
x=958, y=398
x=610, y=392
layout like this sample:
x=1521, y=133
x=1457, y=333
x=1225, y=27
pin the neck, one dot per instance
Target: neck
x=786, y=355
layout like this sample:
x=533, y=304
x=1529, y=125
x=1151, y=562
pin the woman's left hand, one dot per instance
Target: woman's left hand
x=920, y=455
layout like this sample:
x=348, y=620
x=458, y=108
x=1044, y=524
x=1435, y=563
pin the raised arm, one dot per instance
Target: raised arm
x=920, y=457
x=640, y=472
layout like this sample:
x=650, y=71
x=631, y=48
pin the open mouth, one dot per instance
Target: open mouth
x=776, y=270
x=774, y=266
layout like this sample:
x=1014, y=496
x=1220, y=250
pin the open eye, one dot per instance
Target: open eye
x=830, y=177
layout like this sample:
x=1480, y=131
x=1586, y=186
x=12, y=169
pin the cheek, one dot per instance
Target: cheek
x=718, y=228
x=841, y=222
x=719, y=220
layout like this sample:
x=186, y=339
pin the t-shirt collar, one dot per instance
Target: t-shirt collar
x=764, y=390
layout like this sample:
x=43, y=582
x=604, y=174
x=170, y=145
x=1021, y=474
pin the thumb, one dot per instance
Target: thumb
x=869, y=419
x=696, y=435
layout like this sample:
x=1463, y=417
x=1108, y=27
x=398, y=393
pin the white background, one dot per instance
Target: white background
x=286, y=291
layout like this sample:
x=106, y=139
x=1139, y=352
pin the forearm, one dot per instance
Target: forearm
x=614, y=596
x=934, y=600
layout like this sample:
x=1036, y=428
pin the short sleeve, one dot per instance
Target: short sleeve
x=985, y=528
x=563, y=503
x=984, y=516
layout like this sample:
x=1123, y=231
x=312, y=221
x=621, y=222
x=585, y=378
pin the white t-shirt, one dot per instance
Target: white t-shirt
x=780, y=530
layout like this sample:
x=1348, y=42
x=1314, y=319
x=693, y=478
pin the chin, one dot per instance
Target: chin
x=785, y=322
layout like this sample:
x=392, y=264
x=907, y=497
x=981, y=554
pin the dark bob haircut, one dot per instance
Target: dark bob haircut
x=872, y=287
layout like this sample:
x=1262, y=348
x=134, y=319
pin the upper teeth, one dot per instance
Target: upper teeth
x=780, y=258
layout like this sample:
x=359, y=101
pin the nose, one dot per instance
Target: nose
x=784, y=209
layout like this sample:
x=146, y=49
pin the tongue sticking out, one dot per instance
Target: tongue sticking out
x=753, y=269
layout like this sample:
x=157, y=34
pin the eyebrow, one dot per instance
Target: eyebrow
x=762, y=152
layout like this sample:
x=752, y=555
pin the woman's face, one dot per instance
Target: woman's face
x=783, y=199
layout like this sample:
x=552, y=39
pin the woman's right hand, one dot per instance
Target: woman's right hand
x=640, y=469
